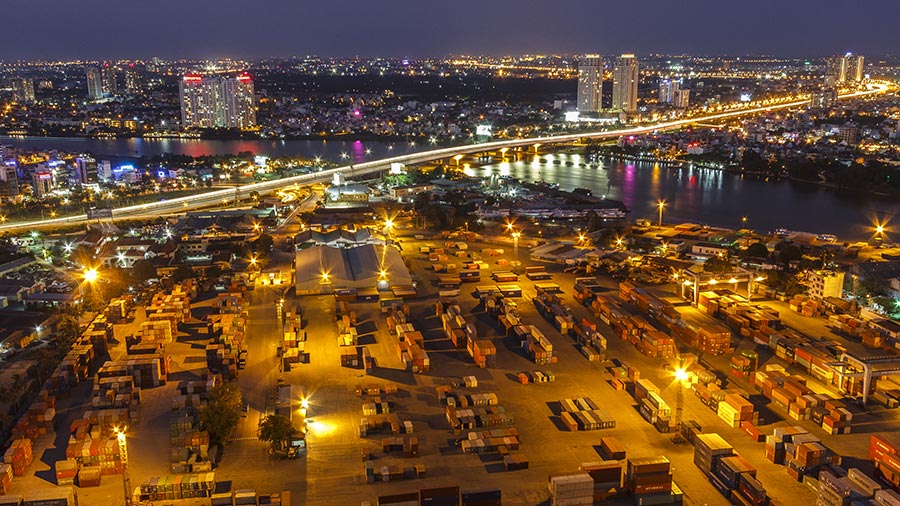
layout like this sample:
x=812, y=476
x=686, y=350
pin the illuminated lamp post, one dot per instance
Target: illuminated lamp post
x=123, y=454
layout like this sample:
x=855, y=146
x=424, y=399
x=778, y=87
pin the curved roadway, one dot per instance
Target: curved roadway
x=182, y=204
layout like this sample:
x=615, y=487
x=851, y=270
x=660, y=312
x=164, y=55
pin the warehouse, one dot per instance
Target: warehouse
x=322, y=269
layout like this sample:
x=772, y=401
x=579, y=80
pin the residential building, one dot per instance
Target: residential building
x=824, y=99
x=590, y=84
x=9, y=183
x=667, y=90
x=846, y=69
x=682, y=99
x=824, y=284
x=625, y=84
x=94, y=84
x=23, y=90
x=217, y=102
x=108, y=80
x=132, y=80
x=856, y=68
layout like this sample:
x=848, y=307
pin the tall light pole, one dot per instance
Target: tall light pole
x=516, y=235
x=681, y=376
x=661, y=205
x=123, y=454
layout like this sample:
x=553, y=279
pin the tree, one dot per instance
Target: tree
x=790, y=253
x=276, y=430
x=264, y=244
x=143, y=270
x=716, y=264
x=183, y=272
x=222, y=412
x=757, y=250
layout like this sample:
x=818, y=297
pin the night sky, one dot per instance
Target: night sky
x=101, y=29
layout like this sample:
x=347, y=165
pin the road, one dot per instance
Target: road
x=182, y=204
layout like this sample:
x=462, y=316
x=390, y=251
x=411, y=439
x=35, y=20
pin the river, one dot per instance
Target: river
x=331, y=150
x=691, y=195
x=713, y=197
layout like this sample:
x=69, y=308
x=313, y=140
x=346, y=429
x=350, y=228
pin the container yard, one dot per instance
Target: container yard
x=544, y=388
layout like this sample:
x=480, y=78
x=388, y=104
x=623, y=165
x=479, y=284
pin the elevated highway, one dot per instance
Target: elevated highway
x=183, y=204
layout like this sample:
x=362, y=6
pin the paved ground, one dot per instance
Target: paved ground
x=332, y=471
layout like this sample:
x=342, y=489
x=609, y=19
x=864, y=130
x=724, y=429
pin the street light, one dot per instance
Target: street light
x=123, y=455
x=91, y=275
x=661, y=205
x=516, y=244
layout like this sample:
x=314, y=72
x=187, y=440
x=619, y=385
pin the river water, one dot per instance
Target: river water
x=713, y=197
x=691, y=195
x=332, y=150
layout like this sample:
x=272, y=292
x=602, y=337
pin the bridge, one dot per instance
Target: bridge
x=183, y=204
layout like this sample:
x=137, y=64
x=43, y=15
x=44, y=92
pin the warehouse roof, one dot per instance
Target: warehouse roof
x=350, y=267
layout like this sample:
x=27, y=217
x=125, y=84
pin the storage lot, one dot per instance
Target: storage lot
x=333, y=472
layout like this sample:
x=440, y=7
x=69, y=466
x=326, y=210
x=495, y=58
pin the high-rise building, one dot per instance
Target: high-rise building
x=23, y=90
x=667, y=90
x=845, y=69
x=94, y=84
x=824, y=99
x=86, y=169
x=682, y=98
x=108, y=78
x=9, y=182
x=41, y=183
x=132, y=80
x=590, y=84
x=625, y=84
x=856, y=68
x=217, y=102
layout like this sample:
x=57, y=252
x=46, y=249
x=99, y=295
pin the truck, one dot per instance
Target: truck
x=288, y=403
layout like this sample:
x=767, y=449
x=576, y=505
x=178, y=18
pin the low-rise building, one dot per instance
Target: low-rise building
x=823, y=284
x=708, y=250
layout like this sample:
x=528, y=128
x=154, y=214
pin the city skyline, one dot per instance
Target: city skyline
x=408, y=29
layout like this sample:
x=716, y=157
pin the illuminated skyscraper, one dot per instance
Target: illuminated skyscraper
x=94, y=84
x=667, y=90
x=625, y=84
x=132, y=80
x=217, y=102
x=23, y=90
x=682, y=98
x=108, y=79
x=845, y=69
x=590, y=84
x=856, y=68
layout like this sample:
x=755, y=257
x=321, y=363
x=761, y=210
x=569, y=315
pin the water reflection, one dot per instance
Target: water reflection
x=709, y=196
